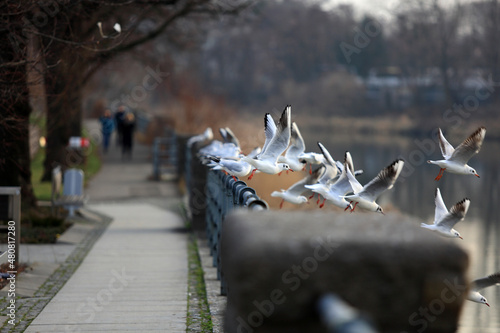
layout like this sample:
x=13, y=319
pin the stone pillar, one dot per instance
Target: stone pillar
x=277, y=265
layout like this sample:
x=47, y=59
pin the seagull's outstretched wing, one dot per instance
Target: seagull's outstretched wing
x=441, y=209
x=299, y=187
x=297, y=144
x=269, y=130
x=356, y=186
x=223, y=134
x=384, y=180
x=456, y=214
x=231, y=137
x=470, y=146
x=348, y=161
x=446, y=148
x=330, y=164
x=342, y=186
x=281, y=138
x=482, y=283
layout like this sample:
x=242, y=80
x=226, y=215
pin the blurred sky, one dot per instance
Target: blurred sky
x=362, y=7
x=379, y=8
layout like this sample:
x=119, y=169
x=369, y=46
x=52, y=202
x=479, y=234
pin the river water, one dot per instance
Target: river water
x=414, y=194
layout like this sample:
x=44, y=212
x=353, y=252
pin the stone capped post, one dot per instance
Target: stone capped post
x=278, y=264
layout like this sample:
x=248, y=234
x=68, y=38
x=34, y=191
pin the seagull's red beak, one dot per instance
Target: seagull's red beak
x=461, y=237
x=477, y=175
x=487, y=304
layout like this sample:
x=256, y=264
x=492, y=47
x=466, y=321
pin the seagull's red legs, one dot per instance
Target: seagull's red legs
x=253, y=173
x=323, y=203
x=282, y=202
x=440, y=175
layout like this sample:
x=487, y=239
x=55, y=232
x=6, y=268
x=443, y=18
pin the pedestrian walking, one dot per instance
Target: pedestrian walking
x=119, y=117
x=128, y=134
x=107, y=127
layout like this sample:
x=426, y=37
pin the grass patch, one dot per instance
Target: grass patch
x=42, y=189
x=198, y=313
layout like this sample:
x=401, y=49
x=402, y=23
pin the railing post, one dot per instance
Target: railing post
x=156, y=159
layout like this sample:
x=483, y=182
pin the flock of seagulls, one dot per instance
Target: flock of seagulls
x=335, y=181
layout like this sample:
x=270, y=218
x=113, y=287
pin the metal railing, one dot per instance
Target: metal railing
x=164, y=155
x=224, y=194
x=212, y=195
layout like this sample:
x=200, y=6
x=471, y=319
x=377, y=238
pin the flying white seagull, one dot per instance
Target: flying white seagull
x=335, y=191
x=297, y=193
x=479, y=284
x=455, y=160
x=297, y=147
x=365, y=196
x=445, y=220
x=277, y=141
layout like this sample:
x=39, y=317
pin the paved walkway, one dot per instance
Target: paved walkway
x=135, y=276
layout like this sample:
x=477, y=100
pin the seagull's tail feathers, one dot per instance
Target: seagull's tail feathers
x=426, y=226
x=276, y=194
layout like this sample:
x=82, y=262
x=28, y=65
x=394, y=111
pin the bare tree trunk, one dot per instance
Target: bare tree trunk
x=15, y=108
x=64, y=113
x=15, y=161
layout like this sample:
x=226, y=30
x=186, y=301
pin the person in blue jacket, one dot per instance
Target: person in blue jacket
x=107, y=127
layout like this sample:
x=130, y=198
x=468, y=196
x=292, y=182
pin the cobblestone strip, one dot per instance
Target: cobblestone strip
x=27, y=308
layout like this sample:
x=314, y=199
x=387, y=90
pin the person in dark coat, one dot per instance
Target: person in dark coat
x=128, y=134
x=107, y=127
x=119, y=117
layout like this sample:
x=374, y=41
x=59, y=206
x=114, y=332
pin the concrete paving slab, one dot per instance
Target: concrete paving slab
x=29, y=281
x=136, y=263
x=75, y=234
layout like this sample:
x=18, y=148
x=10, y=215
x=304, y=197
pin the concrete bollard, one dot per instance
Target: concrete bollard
x=278, y=264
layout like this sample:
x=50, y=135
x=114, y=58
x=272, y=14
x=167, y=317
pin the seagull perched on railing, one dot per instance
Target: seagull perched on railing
x=235, y=168
x=277, y=141
x=365, y=196
x=455, y=160
x=445, y=220
x=479, y=284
